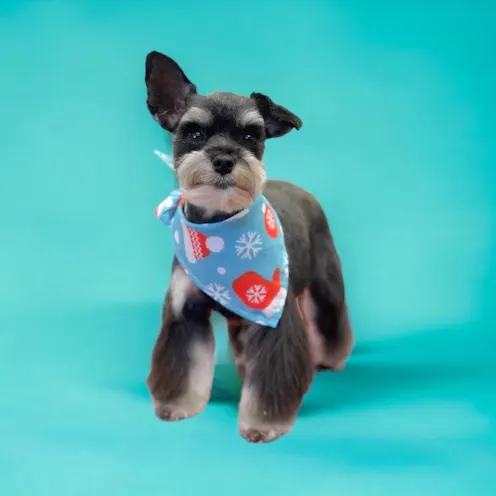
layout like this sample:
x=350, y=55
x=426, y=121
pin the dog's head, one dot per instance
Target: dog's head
x=218, y=139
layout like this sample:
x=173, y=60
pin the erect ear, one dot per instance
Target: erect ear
x=168, y=90
x=278, y=120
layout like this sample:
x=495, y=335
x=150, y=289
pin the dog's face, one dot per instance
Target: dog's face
x=218, y=139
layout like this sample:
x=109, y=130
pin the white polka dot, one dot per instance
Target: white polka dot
x=168, y=202
x=221, y=271
x=176, y=236
x=215, y=244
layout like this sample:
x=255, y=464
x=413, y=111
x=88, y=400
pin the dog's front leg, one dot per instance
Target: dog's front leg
x=182, y=367
x=277, y=373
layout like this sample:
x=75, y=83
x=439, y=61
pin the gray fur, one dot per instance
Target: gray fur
x=218, y=146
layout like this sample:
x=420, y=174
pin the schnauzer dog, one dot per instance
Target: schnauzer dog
x=218, y=146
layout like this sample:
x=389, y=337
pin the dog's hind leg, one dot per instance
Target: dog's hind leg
x=323, y=306
x=328, y=328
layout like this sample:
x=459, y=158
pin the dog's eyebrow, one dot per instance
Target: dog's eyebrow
x=251, y=118
x=197, y=115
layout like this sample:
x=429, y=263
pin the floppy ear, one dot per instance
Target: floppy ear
x=168, y=90
x=278, y=120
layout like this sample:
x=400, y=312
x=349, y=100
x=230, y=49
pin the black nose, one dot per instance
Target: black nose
x=223, y=164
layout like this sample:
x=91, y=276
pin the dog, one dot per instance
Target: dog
x=218, y=146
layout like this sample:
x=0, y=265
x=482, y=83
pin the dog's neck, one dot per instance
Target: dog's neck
x=200, y=215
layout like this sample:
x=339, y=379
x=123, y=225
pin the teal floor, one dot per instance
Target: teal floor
x=398, y=142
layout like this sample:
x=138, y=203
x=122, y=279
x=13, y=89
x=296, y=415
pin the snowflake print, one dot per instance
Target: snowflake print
x=249, y=245
x=218, y=293
x=257, y=293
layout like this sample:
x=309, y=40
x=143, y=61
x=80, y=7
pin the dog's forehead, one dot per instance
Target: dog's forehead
x=228, y=107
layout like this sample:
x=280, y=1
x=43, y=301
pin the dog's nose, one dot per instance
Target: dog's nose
x=223, y=163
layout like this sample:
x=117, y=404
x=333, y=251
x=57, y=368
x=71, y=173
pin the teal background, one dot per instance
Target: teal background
x=398, y=103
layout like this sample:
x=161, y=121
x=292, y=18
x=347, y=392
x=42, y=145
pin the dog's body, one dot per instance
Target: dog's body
x=218, y=145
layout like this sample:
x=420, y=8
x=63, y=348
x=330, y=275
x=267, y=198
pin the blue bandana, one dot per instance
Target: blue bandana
x=240, y=262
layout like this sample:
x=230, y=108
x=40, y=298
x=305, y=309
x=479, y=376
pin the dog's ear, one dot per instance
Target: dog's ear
x=168, y=90
x=278, y=120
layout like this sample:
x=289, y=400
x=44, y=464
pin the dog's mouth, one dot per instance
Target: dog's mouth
x=217, y=181
x=230, y=192
x=217, y=198
x=225, y=182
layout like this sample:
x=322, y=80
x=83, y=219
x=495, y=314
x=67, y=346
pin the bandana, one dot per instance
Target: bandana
x=241, y=262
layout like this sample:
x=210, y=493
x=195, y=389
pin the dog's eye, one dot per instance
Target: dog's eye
x=192, y=131
x=251, y=134
x=196, y=135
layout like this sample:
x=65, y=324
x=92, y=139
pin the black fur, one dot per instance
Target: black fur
x=277, y=365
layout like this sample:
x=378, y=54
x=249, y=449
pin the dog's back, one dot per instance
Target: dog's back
x=308, y=238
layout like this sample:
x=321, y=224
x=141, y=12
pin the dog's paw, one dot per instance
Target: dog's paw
x=177, y=411
x=334, y=364
x=255, y=425
x=339, y=363
x=336, y=359
x=262, y=435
